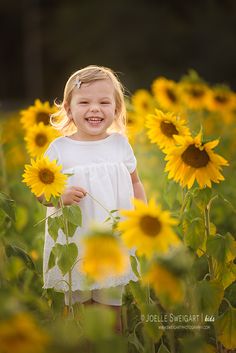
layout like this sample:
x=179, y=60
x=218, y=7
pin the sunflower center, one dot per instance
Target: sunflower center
x=196, y=92
x=41, y=140
x=145, y=105
x=220, y=98
x=171, y=95
x=42, y=117
x=168, y=128
x=194, y=157
x=46, y=176
x=150, y=225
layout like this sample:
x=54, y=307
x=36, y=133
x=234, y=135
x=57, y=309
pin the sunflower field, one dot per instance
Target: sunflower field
x=183, y=134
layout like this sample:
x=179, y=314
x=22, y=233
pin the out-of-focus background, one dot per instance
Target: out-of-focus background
x=44, y=41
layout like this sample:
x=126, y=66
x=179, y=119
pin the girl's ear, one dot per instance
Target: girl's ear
x=67, y=109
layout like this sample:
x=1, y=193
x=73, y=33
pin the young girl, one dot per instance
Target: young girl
x=102, y=162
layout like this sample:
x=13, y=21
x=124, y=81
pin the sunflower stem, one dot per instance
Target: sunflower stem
x=207, y=229
x=110, y=214
x=71, y=312
x=44, y=219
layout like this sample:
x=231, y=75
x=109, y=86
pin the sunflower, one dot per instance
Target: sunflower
x=166, y=92
x=163, y=126
x=44, y=178
x=104, y=255
x=143, y=102
x=192, y=159
x=37, y=113
x=221, y=99
x=194, y=94
x=38, y=137
x=148, y=228
x=21, y=334
x=167, y=286
x=133, y=126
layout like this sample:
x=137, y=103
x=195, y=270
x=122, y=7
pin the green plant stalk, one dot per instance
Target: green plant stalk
x=3, y=169
x=207, y=228
x=71, y=312
x=110, y=214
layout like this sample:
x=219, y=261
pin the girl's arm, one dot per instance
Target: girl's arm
x=139, y=192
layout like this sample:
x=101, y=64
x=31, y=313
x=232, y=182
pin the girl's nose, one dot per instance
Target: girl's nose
x=94, y=107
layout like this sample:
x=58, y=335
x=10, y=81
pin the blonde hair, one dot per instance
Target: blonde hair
x=60, y=119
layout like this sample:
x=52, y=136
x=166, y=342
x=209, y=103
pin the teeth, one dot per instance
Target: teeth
x=94, y=119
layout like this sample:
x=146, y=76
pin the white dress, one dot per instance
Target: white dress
x=102, y=168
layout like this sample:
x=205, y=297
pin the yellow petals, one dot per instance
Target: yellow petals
x=44, y=177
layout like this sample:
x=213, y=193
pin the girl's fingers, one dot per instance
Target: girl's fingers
x=79, y=189
x=79, y=194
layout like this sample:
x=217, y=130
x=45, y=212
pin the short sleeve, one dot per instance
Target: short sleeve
x=129, y=158
x=52, y=153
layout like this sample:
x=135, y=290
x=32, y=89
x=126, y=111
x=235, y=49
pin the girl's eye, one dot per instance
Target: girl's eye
x=105, y=102
x=83, y=102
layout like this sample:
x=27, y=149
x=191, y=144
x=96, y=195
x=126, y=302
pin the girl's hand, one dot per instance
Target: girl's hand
x=73, y=194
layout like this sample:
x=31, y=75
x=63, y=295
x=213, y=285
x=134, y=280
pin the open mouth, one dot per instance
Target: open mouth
x=94, y=121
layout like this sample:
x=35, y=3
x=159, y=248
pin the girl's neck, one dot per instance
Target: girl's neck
x=84, y=137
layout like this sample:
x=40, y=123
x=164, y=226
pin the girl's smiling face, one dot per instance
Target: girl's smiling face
x=93, y=109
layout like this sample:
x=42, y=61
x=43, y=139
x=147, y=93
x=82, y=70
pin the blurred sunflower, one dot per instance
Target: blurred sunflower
x=163, y=126
x=20, y=334
x=148, y=228
x=166, y=92
x=133, y=126
x=104, y=255
x=167, y=286
x=44, y=178
x=194, y=94
x=143, y=102
x=194, y=160
x=221, y=99
x=38, y=137
x=37, y=113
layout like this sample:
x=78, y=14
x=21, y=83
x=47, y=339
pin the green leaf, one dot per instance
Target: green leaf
x=222, y=248
x=52, y=260
x=7, y=205
x=209, y=295
x=66, y=255
x=73, y=214
x=163, y=349
x=194, y=233
x=54, y=200
x=202, y=197
x=69, y=228
x=133, y=339
x=195, y=344
x=54, y=225
x=150, y=315
x=134, y=265
x=139, y=292
x=226, y=327
x=18, y=252
x=98, y=322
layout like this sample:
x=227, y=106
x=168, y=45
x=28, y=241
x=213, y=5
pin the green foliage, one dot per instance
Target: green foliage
x=15, y=251
x=222, y=248
x=73, y=214
x=98, y=322
x=163, y=349
x=209, y=295
x=226, y=327
x=64, y=256
x=150, y=313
